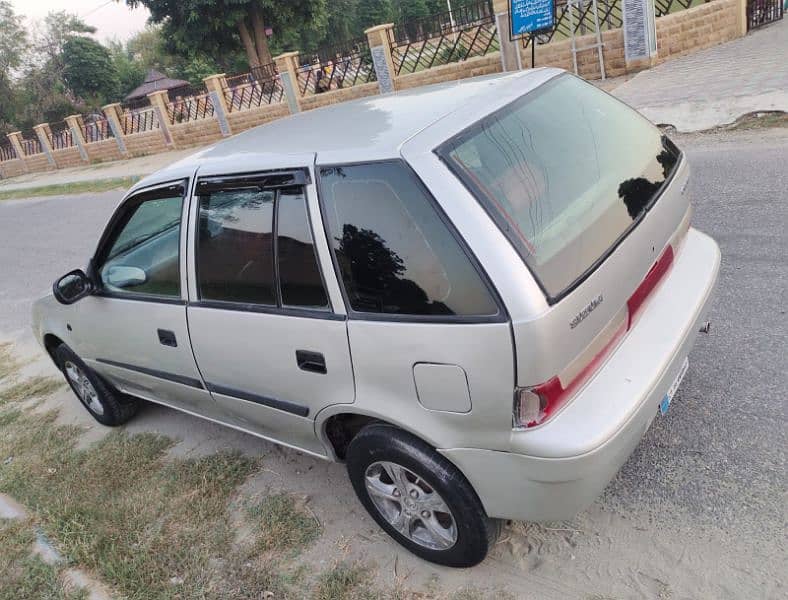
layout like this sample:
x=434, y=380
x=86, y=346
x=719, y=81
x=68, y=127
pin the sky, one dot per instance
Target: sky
x=112, y=19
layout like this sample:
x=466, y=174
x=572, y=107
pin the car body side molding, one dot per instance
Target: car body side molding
x=190, y=381
x=284, y=405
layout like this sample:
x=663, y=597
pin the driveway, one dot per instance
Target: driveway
x=717, y=85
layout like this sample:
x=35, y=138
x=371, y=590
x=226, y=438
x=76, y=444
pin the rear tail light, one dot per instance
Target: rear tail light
x=535, y=405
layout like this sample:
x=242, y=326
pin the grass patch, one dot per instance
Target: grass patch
x=35, y=387
x=343, y=582
x=759, y=120
x=9, y=365
x=12, y=390
x=24, y=575
x=151, y=528
x=63, y=189
x=282, y=524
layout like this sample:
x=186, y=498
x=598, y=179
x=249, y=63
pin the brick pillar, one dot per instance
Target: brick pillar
x=288, y=72
x=379, y=38
x=510, y=49
x=216, y=84
x=112, y=112
x=76, y=125
x=640, y=34
x=741, y=18
x=16, y=141
x=44, y=132
x=159, y=101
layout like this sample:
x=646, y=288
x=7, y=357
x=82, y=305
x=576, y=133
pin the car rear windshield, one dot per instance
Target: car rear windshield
x=566, y=171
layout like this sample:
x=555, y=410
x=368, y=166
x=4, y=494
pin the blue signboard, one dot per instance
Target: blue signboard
x=531, y=15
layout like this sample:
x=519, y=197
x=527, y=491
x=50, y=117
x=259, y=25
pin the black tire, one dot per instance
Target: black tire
x=113, y=408
x=475, y=531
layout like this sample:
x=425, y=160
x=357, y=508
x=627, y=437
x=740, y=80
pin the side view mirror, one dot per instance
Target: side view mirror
x=120, y=276
x=72, y=286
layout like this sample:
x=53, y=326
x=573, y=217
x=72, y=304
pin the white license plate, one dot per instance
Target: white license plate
x=665, y=404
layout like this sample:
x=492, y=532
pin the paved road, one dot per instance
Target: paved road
x=712, y=470
x=717, y=85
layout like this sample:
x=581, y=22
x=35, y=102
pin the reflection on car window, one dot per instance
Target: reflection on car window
x=144, y=256
x=299, y=274
x=564, y=170
x=236, y=251
x=395, y=254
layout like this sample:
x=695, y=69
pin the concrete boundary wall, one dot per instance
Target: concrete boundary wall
x=678, y=34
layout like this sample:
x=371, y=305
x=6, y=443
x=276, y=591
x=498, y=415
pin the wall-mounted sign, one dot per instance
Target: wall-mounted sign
x=640, y=30
x=529, y=16
x=385, y=81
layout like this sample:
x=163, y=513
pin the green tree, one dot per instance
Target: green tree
x=409, y=10
x=49, y=42
x=131, y=72
x=371, y=12
x=220, y=27
x=13, y=44
x=41, y=92
x=342, y=20
x=88, y=70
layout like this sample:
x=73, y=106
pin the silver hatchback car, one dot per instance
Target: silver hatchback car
x=478, y=295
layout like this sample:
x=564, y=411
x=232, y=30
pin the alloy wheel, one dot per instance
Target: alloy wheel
x=83, y=388
x=410, y=505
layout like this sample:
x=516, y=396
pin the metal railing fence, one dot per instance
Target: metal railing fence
x=138, y=121
x=7, y=152
x=444, y=38
x=665, y=7
x=96, y=131
x=610, y=17
x=60, y=137
x=763, y=12
x=336, y=67
x=250, y=90
x=30, y=143
x=192, y=104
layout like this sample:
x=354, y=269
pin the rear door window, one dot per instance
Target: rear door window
x=236, y=246
x=255, y=247
x=566, y=171
x=299, y=274
x=394, y=252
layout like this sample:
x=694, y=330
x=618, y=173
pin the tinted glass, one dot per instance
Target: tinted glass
x=299, y=275
x=235, y=258
x=565, y=170
x=395, y=254
x=144, y=256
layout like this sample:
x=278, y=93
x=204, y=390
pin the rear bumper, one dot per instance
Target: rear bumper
x=557, y=470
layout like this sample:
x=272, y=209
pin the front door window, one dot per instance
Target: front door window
x=141, y=256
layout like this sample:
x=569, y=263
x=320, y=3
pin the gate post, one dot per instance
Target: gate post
x=510, y=50
x=640, y=34
x=286, y=65
x=159, y=100
x=741, y=18
x=44, y=132
x=215, y=84
x=378, y=38
x=16, y=141
x=75, y=123
x=111, y=113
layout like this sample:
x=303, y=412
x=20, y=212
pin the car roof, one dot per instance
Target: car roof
x=370, y=128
